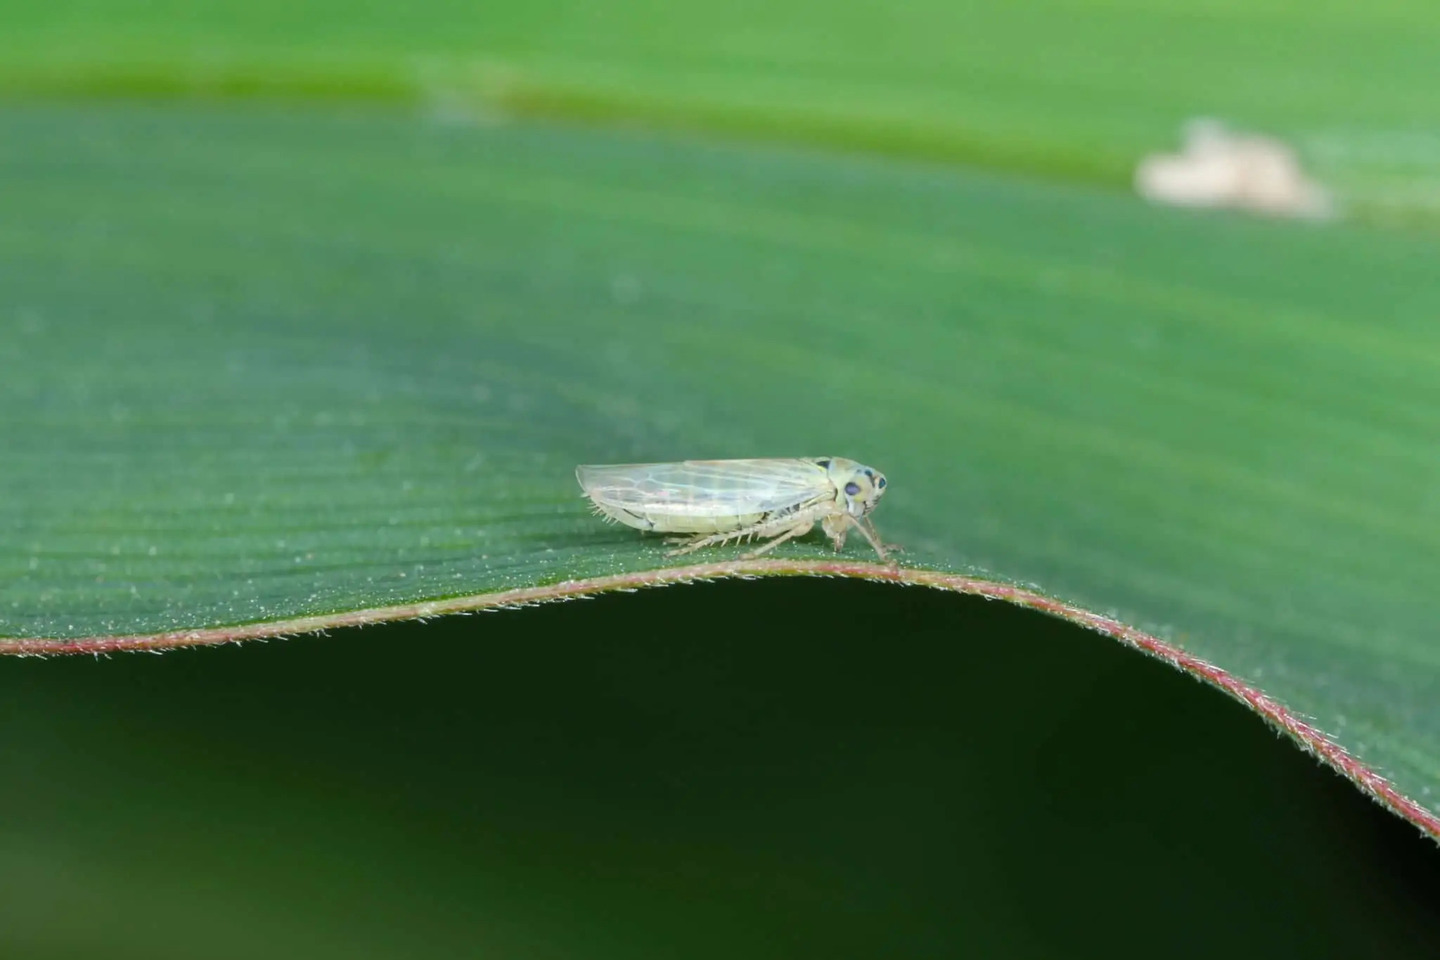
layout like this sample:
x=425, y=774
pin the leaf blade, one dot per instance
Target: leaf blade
x=280, y=364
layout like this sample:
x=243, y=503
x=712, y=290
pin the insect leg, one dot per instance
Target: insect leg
x=769, y=527
x=799, y=530
x=889, y=547
x=868, y=529
x=711, y=539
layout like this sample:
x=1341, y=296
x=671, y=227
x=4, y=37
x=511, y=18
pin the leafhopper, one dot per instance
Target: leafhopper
x=716, y=501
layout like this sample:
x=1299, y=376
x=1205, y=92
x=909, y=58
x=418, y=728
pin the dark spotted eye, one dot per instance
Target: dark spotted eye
x=852, y=488
x=881, y=484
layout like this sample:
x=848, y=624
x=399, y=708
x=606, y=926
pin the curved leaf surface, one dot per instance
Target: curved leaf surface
x=265, y=365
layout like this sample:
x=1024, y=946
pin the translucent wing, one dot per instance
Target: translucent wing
x=706, y=488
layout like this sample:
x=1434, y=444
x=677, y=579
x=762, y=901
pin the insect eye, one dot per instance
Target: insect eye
x=881, y=483
x=852, y=488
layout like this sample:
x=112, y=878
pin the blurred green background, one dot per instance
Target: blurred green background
x=1070, y=88
x=771, y=769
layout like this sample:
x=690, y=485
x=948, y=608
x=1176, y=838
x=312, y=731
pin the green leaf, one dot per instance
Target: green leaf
x=258, y=366
x=1057, y=87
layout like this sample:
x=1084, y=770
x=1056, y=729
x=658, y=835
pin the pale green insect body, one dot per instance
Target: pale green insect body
x=721, y=500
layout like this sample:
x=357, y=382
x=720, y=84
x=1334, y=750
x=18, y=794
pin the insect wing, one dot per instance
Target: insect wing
x=706, y=487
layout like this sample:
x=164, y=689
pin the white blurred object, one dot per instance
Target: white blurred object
x=1218, y=168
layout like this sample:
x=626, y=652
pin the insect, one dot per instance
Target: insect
x=722, y=500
